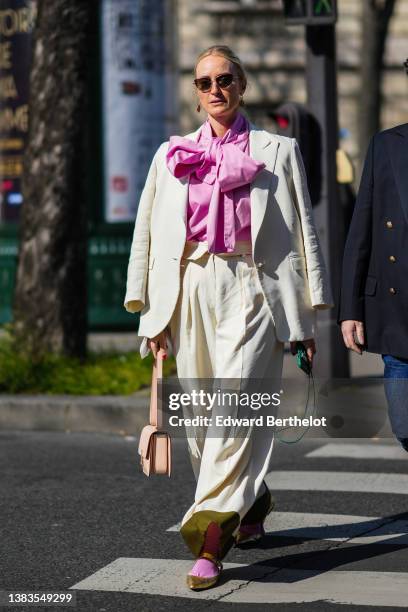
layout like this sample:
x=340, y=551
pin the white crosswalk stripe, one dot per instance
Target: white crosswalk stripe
x=354, y=482
x=359, y=451
x=256, y=583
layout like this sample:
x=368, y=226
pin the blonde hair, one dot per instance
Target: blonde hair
x=226, y=52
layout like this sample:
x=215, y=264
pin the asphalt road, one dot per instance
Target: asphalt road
x=77, y=512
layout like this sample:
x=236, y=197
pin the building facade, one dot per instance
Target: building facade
x=274, y=56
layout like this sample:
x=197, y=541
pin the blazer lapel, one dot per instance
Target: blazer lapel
x=180, y=188
x=398, y=151
x=264, y=148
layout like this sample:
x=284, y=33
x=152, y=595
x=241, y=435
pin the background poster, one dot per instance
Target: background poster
x=139, y=96
x=17, y=18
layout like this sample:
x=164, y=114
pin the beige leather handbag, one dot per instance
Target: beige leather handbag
x=154, y=443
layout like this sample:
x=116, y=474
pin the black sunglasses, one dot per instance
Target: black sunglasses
x=223, y=80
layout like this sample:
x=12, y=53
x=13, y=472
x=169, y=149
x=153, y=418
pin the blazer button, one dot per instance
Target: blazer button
x=393, y=291
x=389, y=224
x=392, y=258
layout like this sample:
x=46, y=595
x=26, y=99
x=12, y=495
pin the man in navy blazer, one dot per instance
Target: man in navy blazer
x=373, y=306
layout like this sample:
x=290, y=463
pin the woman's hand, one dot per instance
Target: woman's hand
x=157, y=343
x=310, y=347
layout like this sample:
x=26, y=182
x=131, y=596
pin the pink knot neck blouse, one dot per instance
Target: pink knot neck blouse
x=220, y=172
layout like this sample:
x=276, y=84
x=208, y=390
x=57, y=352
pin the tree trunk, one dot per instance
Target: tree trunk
x=50, y=298
x=376, y=18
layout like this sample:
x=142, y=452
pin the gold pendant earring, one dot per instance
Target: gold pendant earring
x=198, y=108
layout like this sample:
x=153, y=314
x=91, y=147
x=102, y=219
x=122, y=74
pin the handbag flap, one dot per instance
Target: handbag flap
x=145, y=438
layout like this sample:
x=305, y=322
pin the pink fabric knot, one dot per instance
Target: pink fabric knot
x=221, y=162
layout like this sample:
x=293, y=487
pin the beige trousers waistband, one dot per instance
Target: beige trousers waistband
x=194, y=249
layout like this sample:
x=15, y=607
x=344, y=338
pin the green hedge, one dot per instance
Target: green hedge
x=100, y=374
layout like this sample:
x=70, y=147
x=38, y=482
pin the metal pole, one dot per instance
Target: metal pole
x=321, y=77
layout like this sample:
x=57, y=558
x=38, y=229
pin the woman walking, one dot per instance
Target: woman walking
x=226, y=264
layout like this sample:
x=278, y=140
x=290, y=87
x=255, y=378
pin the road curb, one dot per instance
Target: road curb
x=99, y=414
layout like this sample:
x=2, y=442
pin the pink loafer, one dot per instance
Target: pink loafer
x=207, y=568
x=205, y=572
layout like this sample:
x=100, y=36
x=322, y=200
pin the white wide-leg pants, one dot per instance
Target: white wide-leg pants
x=222, y=328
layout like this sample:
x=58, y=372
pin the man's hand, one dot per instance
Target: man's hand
x=310, y=347
x=157, y=343
x=351, y=331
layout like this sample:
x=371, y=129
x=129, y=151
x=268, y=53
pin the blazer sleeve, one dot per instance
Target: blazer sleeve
x=135, y=297
x=358, y=247
x=319, y=284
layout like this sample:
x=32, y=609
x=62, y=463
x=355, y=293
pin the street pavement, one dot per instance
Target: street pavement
x=77, y=514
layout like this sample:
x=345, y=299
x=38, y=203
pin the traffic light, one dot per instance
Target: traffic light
x=310, y=12
x=295, y=9
x=295, y=121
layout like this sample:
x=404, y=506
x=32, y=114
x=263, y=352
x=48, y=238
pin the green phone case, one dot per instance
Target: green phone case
x=301, y=358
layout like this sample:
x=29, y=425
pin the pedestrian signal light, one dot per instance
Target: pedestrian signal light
x=322, y=8
x=295, y=10
x=310, y=12
x=282, y=121
x=295, y=121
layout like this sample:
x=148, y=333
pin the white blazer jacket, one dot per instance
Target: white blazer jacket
x=285, y=245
